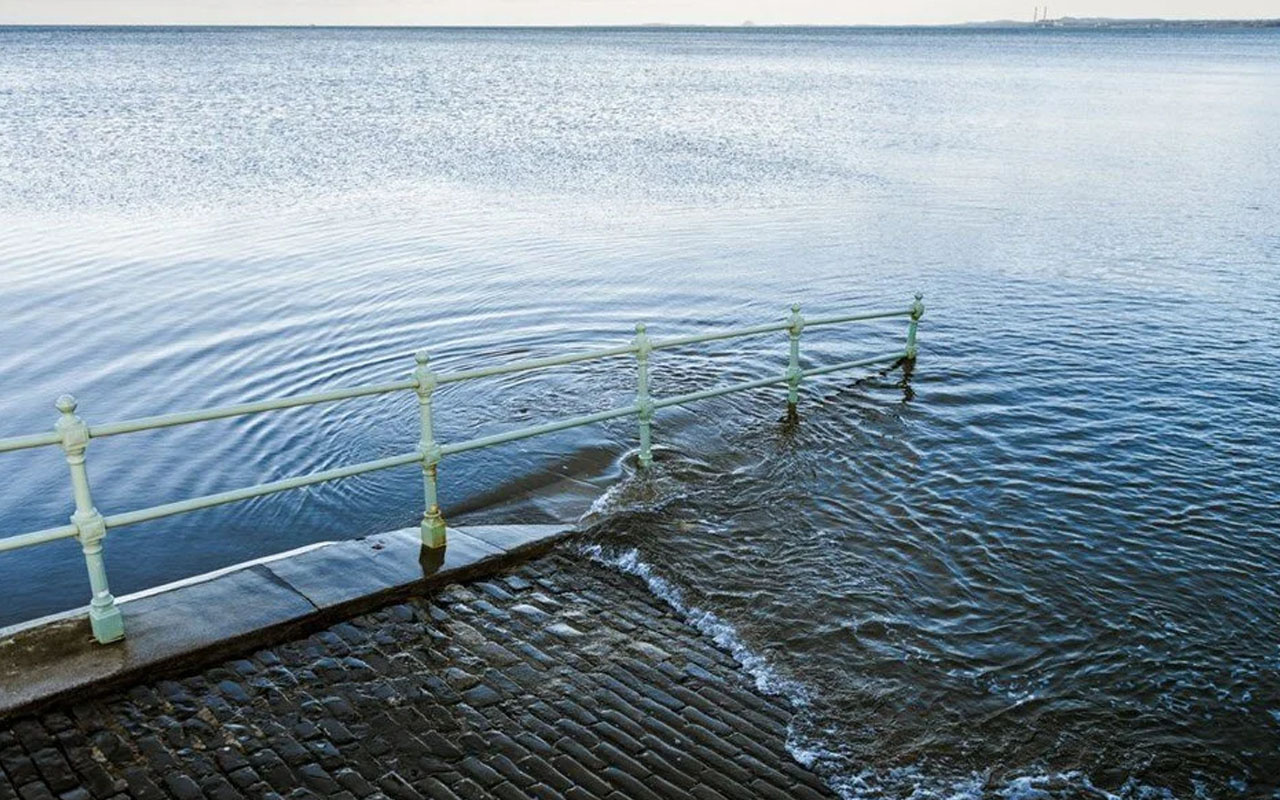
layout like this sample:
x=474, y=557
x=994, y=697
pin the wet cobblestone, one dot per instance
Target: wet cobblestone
x=558, y=680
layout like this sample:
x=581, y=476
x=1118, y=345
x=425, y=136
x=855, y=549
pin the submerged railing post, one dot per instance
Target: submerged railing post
x=433, y=527
x=104, y=617
x=644, y=405
x=917, y=311
x=793, y=364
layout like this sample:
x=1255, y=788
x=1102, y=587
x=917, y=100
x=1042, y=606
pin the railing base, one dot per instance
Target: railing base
x=107, y=625
x=433, y=531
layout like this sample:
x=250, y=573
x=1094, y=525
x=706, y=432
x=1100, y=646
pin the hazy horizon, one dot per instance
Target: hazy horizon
x=593, y=12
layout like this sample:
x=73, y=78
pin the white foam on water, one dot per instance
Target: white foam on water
x=915, y=784
x=909, y=782
x=706, y=622
x=604, y=504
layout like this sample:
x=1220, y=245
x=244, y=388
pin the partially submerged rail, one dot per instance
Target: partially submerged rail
x=90, y=526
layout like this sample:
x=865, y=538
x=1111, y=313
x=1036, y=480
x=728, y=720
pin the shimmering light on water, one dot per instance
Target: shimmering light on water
x=1047, y=563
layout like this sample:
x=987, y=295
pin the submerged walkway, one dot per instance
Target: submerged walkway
x=558, y=679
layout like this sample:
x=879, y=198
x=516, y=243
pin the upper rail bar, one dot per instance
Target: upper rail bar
x=32, y=440
x=275, y=404
x=38, y=537
x=184, y=418
x=203, y=415
x=860, y=317
x=90, y=527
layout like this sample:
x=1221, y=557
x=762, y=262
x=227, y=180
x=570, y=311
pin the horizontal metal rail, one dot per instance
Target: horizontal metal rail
x=860, y=317
x=204, y=415
x=24, y=442
x=338, y=473
x=707, y=394
x=537, y=430
x=275, y=404
x=194, y=504
x=90, y=527
x=185, y=418
x=861, y=362
x=534, y=363
x=38, y=537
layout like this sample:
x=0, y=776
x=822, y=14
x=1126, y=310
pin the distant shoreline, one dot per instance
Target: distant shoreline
x=1120, y=23
x=1063, y=23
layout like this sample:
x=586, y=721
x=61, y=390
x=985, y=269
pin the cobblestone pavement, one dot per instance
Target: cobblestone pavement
x=560, y=679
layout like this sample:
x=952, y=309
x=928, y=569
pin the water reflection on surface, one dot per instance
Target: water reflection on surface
x=1045, y=563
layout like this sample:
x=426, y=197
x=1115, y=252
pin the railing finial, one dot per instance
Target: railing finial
x=104, y=617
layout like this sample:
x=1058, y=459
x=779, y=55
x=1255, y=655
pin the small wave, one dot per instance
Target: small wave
x=726, y=637
x=916, y=784
x=870, y=784
x=707, y=622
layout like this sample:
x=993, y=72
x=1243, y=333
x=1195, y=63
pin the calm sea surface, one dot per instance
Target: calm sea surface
x=1048, y=565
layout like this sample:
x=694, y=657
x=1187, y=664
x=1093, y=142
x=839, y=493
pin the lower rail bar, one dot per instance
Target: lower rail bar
x=864, y=362
x=537, y=430
x=536, y=363
x=705, y=394
x=209, y=500
x=681, y=399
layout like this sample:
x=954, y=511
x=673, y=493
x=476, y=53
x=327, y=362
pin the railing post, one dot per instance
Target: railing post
x=104, y=616
x=644, y=405
x=433, y=528
x=917, y=311
x=793, y=364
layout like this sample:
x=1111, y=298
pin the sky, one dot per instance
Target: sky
x=600, y=12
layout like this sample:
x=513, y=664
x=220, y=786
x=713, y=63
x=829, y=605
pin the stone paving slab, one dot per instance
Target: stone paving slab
x=558, y=679
x=207, y=618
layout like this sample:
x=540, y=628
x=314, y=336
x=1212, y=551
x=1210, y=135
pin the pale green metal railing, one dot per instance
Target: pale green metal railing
x=90, y=527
